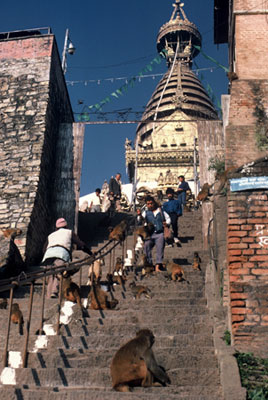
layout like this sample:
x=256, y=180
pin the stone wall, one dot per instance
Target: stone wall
x=211, y=144
x=34, y=102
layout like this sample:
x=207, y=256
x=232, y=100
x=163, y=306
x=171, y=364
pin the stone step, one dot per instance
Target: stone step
x=96, y=393
x=62, y=377
x=135, y=312
x=102, y=341
x=109, y=321
x=64, y=358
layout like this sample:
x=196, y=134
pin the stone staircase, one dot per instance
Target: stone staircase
x=76, y=363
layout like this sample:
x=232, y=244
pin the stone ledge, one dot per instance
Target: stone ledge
x=229, y=373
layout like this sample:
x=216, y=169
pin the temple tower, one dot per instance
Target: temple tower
x=166, y=138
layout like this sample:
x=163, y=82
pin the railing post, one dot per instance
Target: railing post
x=59, y=306
x=5, y=356
x=43, y=306
x=28, y=324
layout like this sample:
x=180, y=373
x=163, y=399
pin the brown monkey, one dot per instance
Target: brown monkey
x=175, y=271
x=147, y=268
x=17, y=317
x=118, y=233
x=138, y=290
x=116, y=279
x=196, y=261
x=99, y=299
x=204, y=192
x=71, y=291
x=11, y=233
x=134, y=364
x=118, y=265
x=222, y=178
x=145, y=231
x=3, y=304
x=11, y=262
x=95, y=270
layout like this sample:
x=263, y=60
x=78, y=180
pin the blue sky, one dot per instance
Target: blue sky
x=114, y=40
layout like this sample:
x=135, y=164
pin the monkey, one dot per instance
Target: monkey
x=138, y=290
x=71, y=292
x=11, y=261
x=134, y=364
x=222, y=178
x=116, y=279
x=232, y=76
x=99, y=299
x=95, y=270
x=147, y=268
x=145, y=231
x=118, y=265
x=11, y=233
x=17, y=317
x=3, y=304
x=204, y=192
x=196, y=261
x=118, y=232
x=175, y=272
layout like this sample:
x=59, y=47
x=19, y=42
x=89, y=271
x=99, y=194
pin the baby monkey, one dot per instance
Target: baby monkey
x=196, y=261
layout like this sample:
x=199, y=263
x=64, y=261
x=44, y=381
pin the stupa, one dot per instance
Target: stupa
x=166, y=138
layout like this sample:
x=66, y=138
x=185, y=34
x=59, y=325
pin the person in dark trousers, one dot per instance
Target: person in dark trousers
x=115, y=191
x=182, y=189
x=174, y=209
x=58, y=251
x=153, y=214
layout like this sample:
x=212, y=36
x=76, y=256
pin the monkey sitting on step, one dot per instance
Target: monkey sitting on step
x=138, y=290
x=17, y=317
x=147, y=268
x=3, y=304
x=175, y=271
x=116, y=279
x=99, y=299
x=71, y=291
x=119, y=265
x=134, y=364
x=196, y=261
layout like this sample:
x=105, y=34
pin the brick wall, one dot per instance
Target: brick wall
x=34, y=102
x=241, y=139
x=246, y=279
x=247, y=240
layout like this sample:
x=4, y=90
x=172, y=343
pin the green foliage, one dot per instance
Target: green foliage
x=217, y=164
x=261, y=126
x=258, y=394
x=254, y=375
x=227, y=337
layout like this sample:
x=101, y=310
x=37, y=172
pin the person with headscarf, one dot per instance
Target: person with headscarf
x=58, y=251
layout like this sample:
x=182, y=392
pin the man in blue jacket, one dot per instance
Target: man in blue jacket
x=174, y=209
x=158, y=218
x=182, y=189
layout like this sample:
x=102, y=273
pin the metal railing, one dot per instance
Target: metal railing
x=41, y=273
